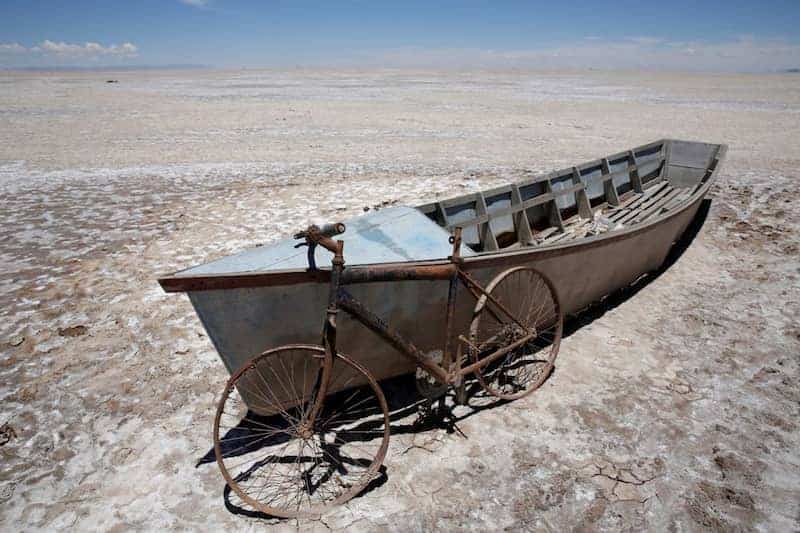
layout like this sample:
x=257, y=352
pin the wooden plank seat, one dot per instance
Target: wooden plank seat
x=633, y=203
x=661, y=192
x=635, y=209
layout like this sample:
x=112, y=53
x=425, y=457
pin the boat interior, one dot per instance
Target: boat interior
x=607, y=194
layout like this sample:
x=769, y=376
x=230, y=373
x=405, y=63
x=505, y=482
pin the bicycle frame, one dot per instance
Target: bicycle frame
x=446, y=373
x=450, y=372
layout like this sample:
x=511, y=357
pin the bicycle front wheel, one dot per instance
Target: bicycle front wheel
x=273, y=458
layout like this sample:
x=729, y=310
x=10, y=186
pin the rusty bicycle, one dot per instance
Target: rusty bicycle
x=302, y=427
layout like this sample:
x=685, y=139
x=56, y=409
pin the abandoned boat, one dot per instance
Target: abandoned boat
x=592, y=229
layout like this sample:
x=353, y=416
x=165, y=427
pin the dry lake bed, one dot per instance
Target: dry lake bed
x=674, y=406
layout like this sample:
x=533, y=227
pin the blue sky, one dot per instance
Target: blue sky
x=675, y=34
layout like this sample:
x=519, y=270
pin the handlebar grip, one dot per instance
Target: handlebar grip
x=315, y=232
x=314, y=235
x=335, y=228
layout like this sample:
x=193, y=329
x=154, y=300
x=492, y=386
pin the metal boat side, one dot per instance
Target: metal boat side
x=247, y=312
x=242, y=322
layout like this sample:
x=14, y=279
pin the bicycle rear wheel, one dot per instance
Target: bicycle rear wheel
x=273, y=459
x=532, y=301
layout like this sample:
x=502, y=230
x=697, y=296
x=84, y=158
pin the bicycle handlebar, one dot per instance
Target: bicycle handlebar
x=322, y=235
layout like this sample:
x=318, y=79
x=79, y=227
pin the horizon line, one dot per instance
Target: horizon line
x=506, y=68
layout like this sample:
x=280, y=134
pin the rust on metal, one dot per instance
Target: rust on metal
x=494, y=356
x=387, y=273
x=488, y=296
x=243, y=280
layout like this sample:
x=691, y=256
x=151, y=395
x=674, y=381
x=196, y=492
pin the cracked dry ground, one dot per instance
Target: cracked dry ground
x=674, y=406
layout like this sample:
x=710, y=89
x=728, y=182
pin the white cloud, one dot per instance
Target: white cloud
x=87, y=49
x=743, y=54
x=54, y=53
x=11, y=48
x=196, y=3
x=645, y=40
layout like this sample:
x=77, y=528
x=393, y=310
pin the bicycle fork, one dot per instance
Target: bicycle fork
x=328, y=341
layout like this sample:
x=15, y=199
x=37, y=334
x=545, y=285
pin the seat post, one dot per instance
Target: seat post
x=452, y=294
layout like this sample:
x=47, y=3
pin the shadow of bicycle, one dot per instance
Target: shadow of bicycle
x=409, y=413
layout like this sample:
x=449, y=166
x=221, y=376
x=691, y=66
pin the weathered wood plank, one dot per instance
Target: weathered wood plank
x=656, y=207
x=584, y=207
x=485, y=233
x=520, y=216
x=640, y=199
x=608, y=184
x=567, y=190
x=678, y=200
x=442, y=213
x=663, y=191
x=652, y=195
x=461, y=200
x=556, y=238
x=628, y=201
x=662, y=174
x=510, y=210
x=553, y=212
x=540, y=237
x=633, y=174
x=571, y=225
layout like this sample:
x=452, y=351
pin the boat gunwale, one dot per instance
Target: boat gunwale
x=253, y=279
